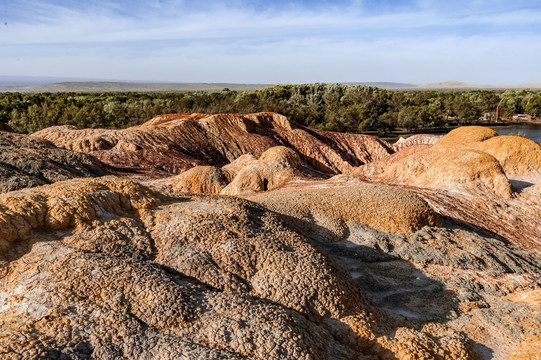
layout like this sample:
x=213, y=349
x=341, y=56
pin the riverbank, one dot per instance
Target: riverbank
x=531, y=129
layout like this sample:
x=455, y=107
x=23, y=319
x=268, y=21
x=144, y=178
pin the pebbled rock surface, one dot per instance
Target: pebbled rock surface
x=323, y=210
x=276, y=167
x=106, y=268
x=170, y=144
x=475, y=176
x=418, y=139
x=27, y=162
x=430, y=252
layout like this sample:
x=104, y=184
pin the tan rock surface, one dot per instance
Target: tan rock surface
x=465, y=136
x=417, y=139
x=201, y=180
x=442, y=263
x=106, y=268
x=322, y=206
x=377, y=167
x=475, y=176
x=276, y=166
x=530, y=349
x=443, y=168
x=517, y=155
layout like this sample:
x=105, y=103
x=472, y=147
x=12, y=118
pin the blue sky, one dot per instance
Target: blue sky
x=255, y=41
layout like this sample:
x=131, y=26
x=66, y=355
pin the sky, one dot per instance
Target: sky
x=255, y=41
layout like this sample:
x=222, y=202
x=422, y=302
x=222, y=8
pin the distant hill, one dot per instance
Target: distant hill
x=444, y=85
x=35, y=84
x=113, y=86
x=48, y=85
x=384, y=85
x=451, y=85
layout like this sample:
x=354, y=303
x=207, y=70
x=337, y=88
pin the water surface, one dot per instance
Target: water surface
x=531, y=131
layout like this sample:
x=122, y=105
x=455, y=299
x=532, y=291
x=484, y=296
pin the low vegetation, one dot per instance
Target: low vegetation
x=337, y=107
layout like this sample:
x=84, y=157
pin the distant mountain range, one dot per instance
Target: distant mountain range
x=55, y=84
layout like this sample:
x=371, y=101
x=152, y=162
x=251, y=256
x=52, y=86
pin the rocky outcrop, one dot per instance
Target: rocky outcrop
x=170, y=144
x=106, y=268
x=276, y=167
x=465, y=136
x=429, y=252
x=473, y=175
x=472, y=281
x=323, y=210
x=462, y=169
x=517, y=155
x=468, y=158
x=201, y=180
x=27, y=162
x=417, y=139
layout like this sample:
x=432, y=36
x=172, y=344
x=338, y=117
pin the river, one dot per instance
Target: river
x=531, y=131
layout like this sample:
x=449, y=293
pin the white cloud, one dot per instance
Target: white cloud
x=168, y=41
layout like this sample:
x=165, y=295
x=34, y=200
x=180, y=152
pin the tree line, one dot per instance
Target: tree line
x=337, y=107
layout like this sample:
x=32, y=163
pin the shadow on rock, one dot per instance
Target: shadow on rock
x=393, y=284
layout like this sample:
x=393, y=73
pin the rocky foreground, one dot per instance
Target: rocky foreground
x=267, y=241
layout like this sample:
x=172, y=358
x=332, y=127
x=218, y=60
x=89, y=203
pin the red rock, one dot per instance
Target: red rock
x=172, y=143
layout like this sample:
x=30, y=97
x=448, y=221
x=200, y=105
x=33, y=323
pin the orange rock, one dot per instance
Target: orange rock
x=517, y=155
x=276, y=166
x=466, y=135
x=320, y=205
x=201, y=180
x=456, y=169
x=530, y=349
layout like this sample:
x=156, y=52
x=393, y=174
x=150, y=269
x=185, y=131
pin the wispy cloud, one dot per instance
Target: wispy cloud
x=254, y=41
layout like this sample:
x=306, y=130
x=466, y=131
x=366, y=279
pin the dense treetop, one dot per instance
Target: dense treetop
x=352, y=108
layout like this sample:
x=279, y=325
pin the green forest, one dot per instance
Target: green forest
x=337, y=107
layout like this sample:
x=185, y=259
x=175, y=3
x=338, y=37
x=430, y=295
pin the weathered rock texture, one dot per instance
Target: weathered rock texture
x=476, y=176
x=418, y=139
x=106, y=268
x=170, y=144
x=458, y=273
x=201, y=180
x=27, y=162
x=323, y=211
x=276, y=167
x=429, y=252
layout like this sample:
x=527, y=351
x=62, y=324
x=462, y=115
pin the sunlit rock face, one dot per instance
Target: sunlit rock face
x=108, y=268
x=428, y=249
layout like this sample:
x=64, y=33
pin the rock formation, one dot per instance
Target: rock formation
x=474, y=175
x=27, y=162
x=201, y=180
x=428, y=249
x=470, y=158
x=323, y=210
x=170, y=144
x=276, y=166
x=418, y=139
x=107, y=268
